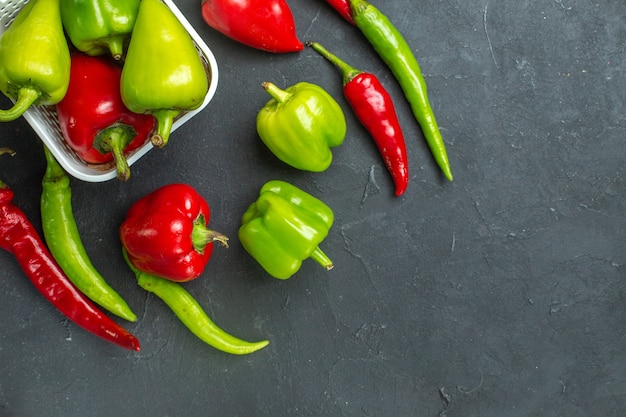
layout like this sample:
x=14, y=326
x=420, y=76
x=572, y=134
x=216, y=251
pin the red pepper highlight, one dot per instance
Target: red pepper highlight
x=165, y=233
x=374, y=108
x=267, y=25
x=343, y=7
x=93, y=119
x=19, y=237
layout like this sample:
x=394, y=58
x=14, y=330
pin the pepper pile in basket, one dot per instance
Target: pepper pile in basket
x=157, y=73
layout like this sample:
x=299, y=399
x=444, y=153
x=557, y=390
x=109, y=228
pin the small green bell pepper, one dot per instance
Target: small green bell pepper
x=98, y=27
x=284, y=227
x=300, y=124
x=163, y=73
x=34, y=58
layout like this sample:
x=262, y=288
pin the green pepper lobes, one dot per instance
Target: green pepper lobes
x=301, y=124
x=163, y=73
x=285, y=226
x=96, y=27
x=34, y=58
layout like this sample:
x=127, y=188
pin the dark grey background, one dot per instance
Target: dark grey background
x=499, y=294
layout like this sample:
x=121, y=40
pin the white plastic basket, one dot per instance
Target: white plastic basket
x=44, y=121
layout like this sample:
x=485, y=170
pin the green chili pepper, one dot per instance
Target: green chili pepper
x=300, y=124
x=34, y=58
x=391, y=46
x=63, y=240
x=96, y=27
x=283, y=227
x=163, y=73
x=191, y=314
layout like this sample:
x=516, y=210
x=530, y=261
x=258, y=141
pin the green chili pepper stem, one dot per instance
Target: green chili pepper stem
x=201, y=236
x=26, y=96
x=391, y=46
x=191, y=314
x=277, y=94
x=115, y=139
x=165, y=120
x=321, y=258
x=348, y=72
x=63, y=240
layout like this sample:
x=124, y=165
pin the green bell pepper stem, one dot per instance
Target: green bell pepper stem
x=278, y=94
x=191, y=314
x=165, y=120
x=26, y=97
x=321, y=258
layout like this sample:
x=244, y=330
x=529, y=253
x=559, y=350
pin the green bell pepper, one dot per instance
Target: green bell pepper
x=34, y=58
x=301, y=124
x=284, y=227
x=98, y=27
x=163, y=73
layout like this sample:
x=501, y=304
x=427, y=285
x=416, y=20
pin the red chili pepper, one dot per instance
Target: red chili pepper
x=267, y=25
x=374, y=108
x=165, y=233
x=94, y=120
x=19, y=237
x=343, y=7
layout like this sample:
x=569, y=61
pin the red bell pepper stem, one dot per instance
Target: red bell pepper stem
x=374, y=108
x=343, y=7
x=19, y=237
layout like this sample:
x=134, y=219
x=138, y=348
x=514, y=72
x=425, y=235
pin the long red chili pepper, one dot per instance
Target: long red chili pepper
x=343, y=7
x=374, y=108
x=19, y=237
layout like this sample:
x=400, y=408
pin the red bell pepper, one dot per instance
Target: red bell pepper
x=93, y=119
x=267, y=25
x=165, y=233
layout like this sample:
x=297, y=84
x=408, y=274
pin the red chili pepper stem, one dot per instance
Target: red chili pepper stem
x=374, y=108
x=115, y=139
x=201, y=236
x=2, y=152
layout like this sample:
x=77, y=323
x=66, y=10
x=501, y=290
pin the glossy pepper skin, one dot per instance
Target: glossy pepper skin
x=165, y=233
x=192, y=315
x=267, y=25
x=19, y=237
x=163, y=74
x=34, y=58
x=94, y=121
x=98, y=27
x=391, y=46
x=63, y=239
x=301, y=124
x=284, y=227
x=374, y=108
x=343, y=7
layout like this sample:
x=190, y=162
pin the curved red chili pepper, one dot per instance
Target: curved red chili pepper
x=20, y=238
x=374, y=108
x=343, y=7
